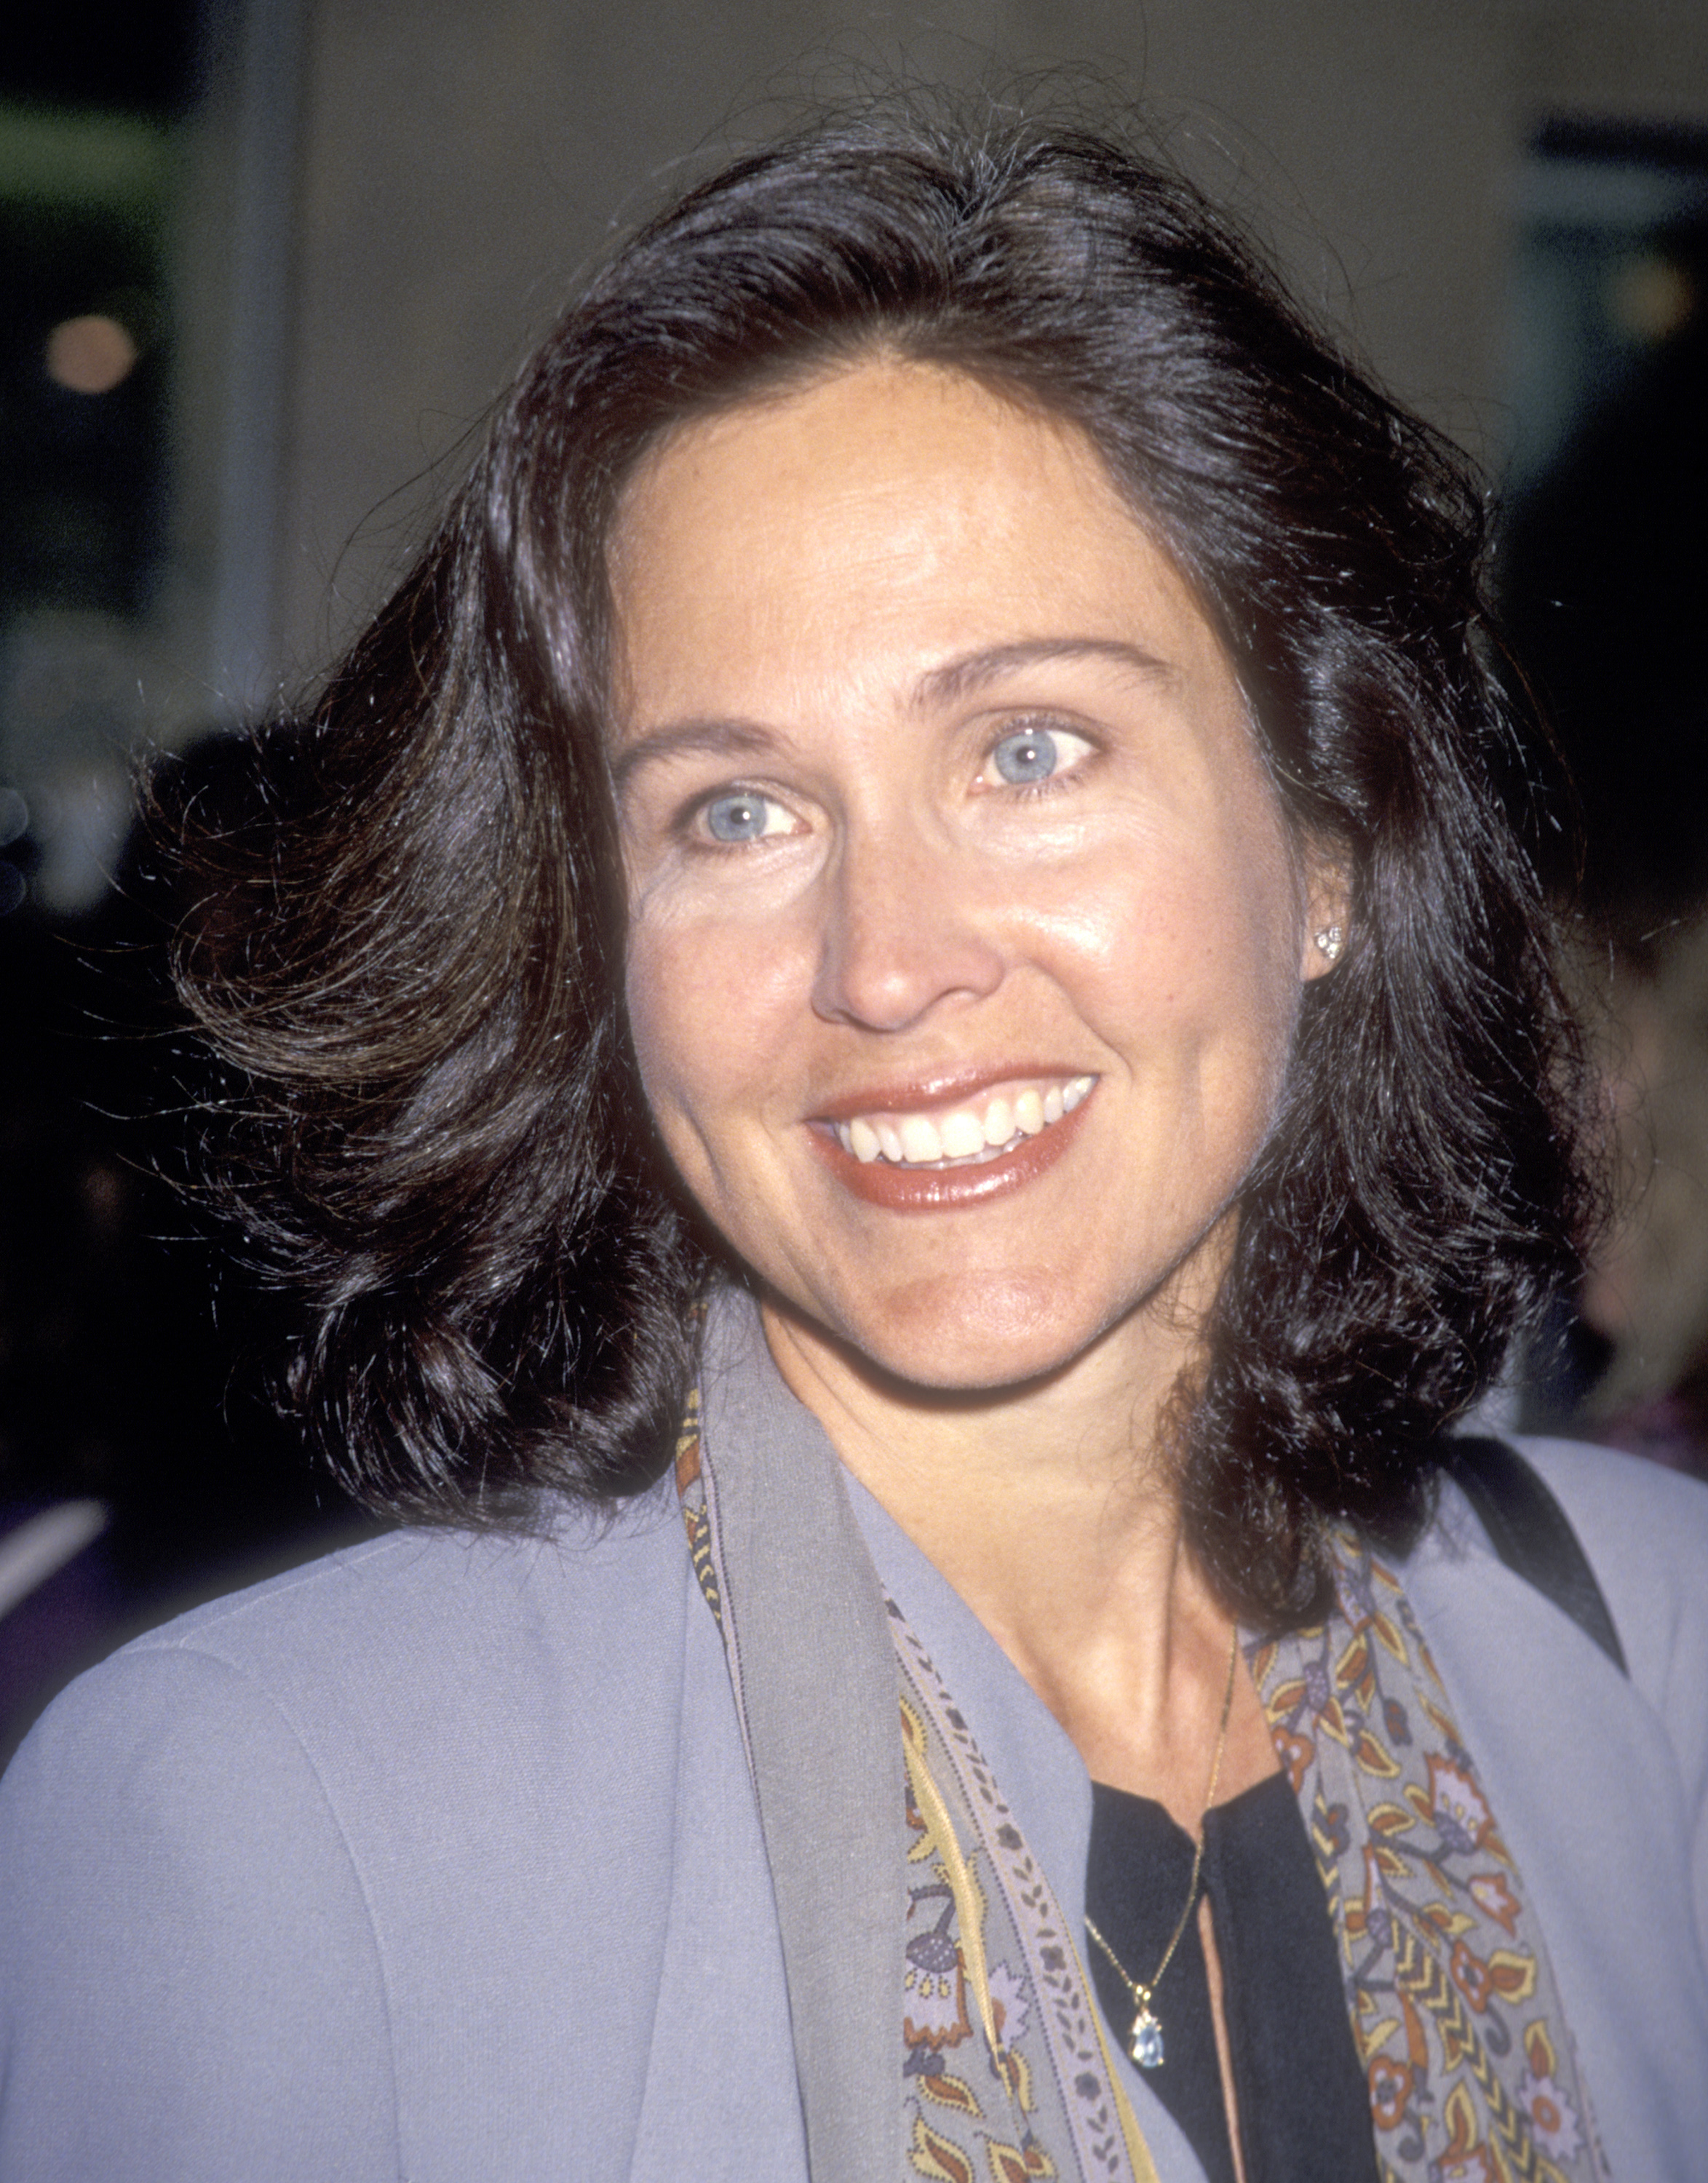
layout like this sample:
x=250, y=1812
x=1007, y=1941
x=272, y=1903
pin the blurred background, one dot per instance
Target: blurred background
x=265, y=262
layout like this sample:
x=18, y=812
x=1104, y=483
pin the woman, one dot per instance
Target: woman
x=914, y=907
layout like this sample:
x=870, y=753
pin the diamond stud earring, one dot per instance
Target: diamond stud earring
x=1330, y=940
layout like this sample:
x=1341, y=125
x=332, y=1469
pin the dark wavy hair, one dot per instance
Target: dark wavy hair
x=410, y=950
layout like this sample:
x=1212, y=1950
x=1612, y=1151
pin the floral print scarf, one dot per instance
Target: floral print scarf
x=1004, y=2071
x=1457, y=2016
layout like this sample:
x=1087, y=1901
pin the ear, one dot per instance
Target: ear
x=1328, y=910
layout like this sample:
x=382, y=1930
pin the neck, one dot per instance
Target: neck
x=1054, y=1508
x=1001, y=1488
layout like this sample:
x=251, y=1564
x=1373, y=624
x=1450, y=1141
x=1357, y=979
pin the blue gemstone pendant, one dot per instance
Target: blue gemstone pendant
x=1144, y=2040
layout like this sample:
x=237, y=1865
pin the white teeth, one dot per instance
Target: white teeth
x=962, y=1133
x=920, y=1141
x=863, y=1142
x=965, y=1133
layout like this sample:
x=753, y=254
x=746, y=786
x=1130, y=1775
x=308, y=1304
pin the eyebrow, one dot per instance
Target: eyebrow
x=716, y=738
x=955, y=680
x=960, y=678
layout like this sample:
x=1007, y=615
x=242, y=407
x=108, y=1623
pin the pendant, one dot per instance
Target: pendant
x=1144, y=2040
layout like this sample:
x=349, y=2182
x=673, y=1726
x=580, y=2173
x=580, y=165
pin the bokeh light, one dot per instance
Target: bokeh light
x=91, y=355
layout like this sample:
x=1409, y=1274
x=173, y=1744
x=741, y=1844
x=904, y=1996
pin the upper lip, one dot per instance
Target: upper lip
x=945, y=1089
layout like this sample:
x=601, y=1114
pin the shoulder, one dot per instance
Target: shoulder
x=410, y=1652
x=1644, y=1530
x=1599, y=1780
x=1631, y=1749
x=1500, y=1640
x=395, y=1603
x=260, y=1848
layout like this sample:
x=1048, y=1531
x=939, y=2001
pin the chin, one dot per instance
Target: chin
x=970, y=1336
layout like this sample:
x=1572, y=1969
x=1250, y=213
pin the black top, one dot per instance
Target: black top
x=1303, y=2108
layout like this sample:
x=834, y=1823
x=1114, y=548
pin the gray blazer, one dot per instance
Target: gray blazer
x=438, y=1859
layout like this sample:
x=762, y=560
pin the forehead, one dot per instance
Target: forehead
x=877, y=520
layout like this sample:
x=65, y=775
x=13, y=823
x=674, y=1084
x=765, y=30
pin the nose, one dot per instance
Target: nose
x=908, y=929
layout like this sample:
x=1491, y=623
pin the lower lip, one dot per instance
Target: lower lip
x=947, y=1189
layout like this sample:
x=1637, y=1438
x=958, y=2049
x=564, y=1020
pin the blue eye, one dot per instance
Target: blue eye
x=1029, y=754
x=739, y=818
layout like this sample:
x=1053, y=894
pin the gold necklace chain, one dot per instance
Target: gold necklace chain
x=1144, y=2040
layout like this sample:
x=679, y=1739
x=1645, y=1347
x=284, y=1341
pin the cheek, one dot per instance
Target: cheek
x=709, y=1022
x=1202, y=968
x=670, y=1011
x=1256, y=958
x=1196, y=924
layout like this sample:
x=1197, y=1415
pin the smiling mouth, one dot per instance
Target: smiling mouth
x=976, y=1131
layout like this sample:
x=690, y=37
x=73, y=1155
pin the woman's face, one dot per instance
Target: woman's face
x=965, y=943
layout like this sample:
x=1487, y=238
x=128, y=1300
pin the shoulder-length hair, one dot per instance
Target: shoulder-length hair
x=413, y=958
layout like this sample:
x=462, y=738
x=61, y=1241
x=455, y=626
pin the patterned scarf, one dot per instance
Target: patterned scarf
x=1457, y=2022
x=1005, y=2075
